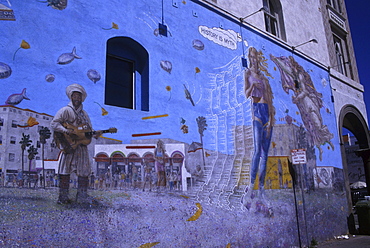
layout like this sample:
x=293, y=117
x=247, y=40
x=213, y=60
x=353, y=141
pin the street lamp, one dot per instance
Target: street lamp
x=255, y=12
x=312, y=40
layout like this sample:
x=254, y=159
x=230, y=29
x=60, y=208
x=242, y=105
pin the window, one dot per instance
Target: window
x=12, y=140
x=14, y=124
x=121, y=82
x=1, y=139
x=11, y=157
x=127, y=74
x=341, y=60
x=1, y=122
x=274, y=21
x=335, y=4
x=339, y=56
x=38, y=144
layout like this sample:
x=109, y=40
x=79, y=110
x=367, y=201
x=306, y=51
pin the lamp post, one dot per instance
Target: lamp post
x=255, y=12
x=312, y=40
x=244, y=60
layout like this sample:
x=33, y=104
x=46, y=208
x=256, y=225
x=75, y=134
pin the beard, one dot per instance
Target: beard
x=76, y=103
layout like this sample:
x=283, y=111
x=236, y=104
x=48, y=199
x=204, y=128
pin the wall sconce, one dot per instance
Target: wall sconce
x=255, y=12
x=162, y=29
x=341, y=64
x=244, y=62
x=312, y=40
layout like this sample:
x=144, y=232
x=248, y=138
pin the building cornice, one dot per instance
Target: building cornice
x=29, y=110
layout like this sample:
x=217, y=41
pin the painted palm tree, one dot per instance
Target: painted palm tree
x=25, y=142
x=202, y=124
x=32, y=152
x=44, y=135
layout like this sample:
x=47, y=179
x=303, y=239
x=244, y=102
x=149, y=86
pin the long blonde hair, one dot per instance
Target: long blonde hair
x=262, y=64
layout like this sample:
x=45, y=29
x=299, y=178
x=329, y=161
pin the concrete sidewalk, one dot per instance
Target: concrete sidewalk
x=354, y=241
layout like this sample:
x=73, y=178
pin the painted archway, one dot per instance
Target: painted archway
x=118, y=162
x=102, y=163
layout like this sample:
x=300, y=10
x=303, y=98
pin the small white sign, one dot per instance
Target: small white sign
x=226, y=38
x=298, y=156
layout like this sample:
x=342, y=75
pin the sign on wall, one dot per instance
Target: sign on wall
x=299, y=156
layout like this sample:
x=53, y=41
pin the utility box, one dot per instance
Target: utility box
x=363, y=214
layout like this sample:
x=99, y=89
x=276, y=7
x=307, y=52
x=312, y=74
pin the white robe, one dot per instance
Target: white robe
x=78, y=161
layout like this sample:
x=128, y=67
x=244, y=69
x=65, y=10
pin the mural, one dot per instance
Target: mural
x=258, y=89
x=67, y=58
x=307, y=99
x=6, y=13
x=213, y=147
x=5, y=70
x=15, y=99
x=56, y=4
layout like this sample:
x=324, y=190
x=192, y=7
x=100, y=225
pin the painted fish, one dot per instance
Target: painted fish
x=197, y=213
x=93, y=75
x=57, y=4
x=166, y=65
x=67, y=58
x=50, y=78
x=197, y=44
x=30, y=123
x=15, y=99
x=5, y=70
x=148, y=245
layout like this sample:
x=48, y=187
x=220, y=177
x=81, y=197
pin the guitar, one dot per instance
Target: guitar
x=79, y=135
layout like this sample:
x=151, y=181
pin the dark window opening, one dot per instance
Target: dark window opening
x=335, y=4
x=274, y=21
x=14, y=124
x=342, y=62
x=120, y=82
x=127, y=74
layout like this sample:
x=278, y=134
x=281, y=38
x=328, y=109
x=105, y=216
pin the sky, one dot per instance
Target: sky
x=359, y=21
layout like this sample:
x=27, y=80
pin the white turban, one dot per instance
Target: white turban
x=76, y=87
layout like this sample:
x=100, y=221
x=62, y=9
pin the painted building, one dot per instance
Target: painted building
x=230, y=87
x=14, y=123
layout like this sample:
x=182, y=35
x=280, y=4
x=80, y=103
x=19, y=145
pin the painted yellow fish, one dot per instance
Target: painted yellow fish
x=197, y=214
x=30, y=123
x=148, y=245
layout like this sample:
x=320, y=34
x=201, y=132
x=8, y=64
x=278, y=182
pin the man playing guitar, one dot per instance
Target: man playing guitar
x=75, y=157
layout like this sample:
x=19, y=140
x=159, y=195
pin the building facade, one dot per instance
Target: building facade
x=16, y=122
x=234, y=89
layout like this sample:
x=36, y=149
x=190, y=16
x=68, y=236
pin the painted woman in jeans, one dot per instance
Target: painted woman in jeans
x=159, y=156
x=258, y=89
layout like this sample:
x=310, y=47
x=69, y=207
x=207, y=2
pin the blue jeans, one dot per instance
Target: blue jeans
x=262, y=140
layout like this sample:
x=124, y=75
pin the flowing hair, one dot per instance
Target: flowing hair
x=262, y=61
x=262, y=67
